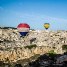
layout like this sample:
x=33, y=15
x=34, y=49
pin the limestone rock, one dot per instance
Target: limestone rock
x=12, y=46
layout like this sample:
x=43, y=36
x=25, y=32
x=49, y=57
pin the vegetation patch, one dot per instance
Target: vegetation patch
x=51, y=51
x=30, y=46
x=64, y=47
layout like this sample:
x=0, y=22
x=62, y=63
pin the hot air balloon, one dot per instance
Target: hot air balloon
x=23, y=28
x=46, y=25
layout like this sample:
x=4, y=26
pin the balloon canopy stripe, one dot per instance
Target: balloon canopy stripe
x=23, y=29
x=23, y=26
x=23, y=33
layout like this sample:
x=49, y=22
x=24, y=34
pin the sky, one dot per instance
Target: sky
x=35, y=13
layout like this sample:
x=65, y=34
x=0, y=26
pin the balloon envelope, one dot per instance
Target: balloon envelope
x=46, y=25
x=23, y=28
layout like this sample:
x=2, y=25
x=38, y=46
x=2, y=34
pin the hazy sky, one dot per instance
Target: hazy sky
x=35, y=13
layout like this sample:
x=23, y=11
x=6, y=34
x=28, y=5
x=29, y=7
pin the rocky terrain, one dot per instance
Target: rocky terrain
x=50, y=60
x=13, y=47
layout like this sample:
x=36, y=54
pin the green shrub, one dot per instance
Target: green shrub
x=64, y=47
x=30, y=46
x=51, y=51
x=52, y=54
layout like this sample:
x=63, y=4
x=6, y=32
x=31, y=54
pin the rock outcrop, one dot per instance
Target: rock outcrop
x=12, y=45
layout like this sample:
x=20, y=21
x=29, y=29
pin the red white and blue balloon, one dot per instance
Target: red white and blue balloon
x=23, y=28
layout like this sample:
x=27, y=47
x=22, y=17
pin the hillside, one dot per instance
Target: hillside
x=14, y=47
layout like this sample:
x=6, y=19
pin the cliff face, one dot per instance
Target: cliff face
x=12, y=46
